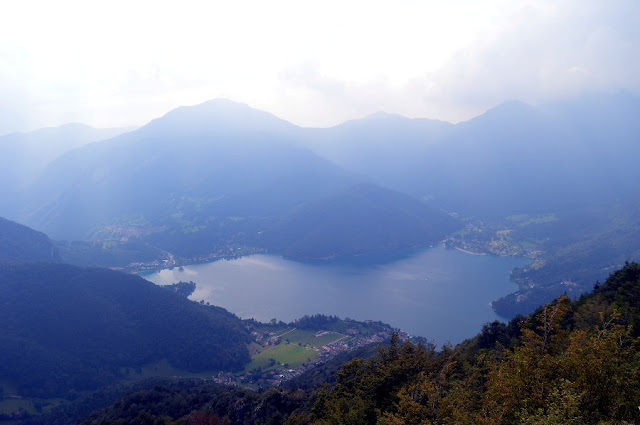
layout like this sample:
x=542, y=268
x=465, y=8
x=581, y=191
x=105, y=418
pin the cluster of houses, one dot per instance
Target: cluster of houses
x=351, y=340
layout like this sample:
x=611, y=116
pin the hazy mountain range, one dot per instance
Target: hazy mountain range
x=23, y=156
x=361, y=219
x=19, y=243
x=220, y=174
x=515, y=158
x=557, y=181
x=239, y=161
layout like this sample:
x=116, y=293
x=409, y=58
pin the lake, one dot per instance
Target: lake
x=438, y=293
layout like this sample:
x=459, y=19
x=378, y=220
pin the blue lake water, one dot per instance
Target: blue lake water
x=438, y=293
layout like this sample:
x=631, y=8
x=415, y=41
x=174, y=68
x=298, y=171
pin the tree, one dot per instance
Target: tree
x=519, y=383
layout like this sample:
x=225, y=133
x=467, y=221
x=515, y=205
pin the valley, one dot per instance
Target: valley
x=320, y=213
x=242, y=181
x=393, y=224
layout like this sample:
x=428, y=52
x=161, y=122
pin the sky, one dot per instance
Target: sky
x=313, y=63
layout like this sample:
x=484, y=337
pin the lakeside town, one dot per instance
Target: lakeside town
x=282, y=354
x=169, y=261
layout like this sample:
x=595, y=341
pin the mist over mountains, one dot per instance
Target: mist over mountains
x=220, y=174
x=23, y=156
x=217, y=159
x=19, y=243
x=556, y=183
x=362, y=219
x=512, y=159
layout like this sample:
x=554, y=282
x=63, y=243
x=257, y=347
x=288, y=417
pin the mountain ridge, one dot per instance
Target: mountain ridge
x=362, y=219
x=20, y=243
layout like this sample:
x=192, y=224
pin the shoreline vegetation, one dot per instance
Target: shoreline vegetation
x=172, y=262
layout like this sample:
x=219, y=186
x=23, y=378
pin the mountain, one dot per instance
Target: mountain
x=236, y=161
x=184, y=171
x=572, y=160
x=19, y=243
x=583, y=247
x=515, y=158
x=364, y=218
x=379, y=146
x=518, y=158
x=65, y=328
x=219, y=176
x=116, y=254
x=217, y=116
x=24, y=155
x=232, y=160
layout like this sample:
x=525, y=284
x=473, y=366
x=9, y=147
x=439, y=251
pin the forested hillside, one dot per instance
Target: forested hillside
x=578, y=248
x=364, y=218
x=186, y=172
x=20, y=243
x=64, y=328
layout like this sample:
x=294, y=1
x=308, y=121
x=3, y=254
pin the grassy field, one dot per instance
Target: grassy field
x=309, y=337
x=292, y=355
x=296, y=348
x=254, y=349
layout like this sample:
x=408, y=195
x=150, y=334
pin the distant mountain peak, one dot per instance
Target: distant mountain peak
x=215, y=105
x=384, y=115
x=505, y=112
x=219, y=115
x=223, y=101
x=20, y=243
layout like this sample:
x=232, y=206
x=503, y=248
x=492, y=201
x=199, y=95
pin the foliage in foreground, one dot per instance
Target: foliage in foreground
x=574, y=362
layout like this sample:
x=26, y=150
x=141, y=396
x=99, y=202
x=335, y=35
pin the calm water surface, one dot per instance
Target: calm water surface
x=437, y=293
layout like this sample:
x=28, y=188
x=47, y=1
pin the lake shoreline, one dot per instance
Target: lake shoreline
x=470, y=252
x=419, y=294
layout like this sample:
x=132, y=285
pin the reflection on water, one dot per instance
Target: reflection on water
x=440, y=294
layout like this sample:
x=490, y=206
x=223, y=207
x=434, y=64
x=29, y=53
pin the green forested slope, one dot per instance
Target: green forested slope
x=569, y=363
x=580, y=247
x=20, y=243
x=66, y=328
x=362, y=219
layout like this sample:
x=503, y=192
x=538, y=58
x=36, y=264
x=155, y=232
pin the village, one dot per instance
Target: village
x=169, y=261
x=494, y=238
x=282, y=354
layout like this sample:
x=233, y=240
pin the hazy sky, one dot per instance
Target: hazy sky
x=314, y=63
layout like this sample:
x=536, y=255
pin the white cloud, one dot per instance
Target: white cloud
x=315, y=63
x=545, y=54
